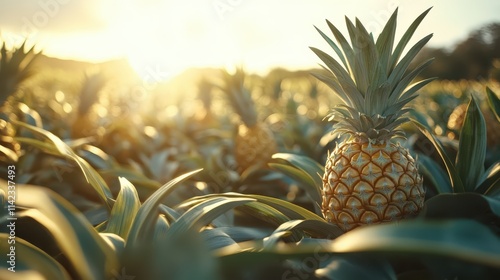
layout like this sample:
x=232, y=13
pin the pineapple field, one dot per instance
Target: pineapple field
x=360, y=169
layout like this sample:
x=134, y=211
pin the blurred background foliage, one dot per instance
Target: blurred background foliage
x=109, y=157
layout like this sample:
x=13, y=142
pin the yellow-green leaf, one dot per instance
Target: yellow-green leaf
x=124, y=210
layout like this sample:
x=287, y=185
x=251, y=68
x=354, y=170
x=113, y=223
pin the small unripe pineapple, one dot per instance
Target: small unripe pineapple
x=254, y=143
x=370, y=178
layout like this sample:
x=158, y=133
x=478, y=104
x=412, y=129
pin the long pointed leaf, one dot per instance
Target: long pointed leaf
x=494, y=102
x=147, y=214
x=472, y=147
x=123, y=213
x=455, y=179
x=406, y=38
x=63, y=150
x=203, y=213
x=31, y=258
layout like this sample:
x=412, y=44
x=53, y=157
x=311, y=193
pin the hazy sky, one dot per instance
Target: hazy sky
x=172, y=35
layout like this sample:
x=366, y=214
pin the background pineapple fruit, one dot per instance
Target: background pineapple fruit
x=456, y=120
x=369, y=177
x=84, y=125
x=254, y=142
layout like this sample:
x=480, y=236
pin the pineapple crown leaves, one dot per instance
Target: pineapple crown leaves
x=15, y=67
x=371, y=77
x=239, y=96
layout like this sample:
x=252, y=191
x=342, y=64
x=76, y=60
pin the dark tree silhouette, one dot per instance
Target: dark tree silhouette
x=475, y=58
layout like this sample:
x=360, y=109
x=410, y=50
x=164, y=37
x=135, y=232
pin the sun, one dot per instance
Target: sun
x=160, y=42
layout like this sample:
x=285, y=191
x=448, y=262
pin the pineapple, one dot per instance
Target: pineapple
x=15, y=67
x=83, y=124
x=254, y=143
x=369, y=177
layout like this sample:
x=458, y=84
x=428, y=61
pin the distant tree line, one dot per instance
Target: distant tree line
x=475, y=58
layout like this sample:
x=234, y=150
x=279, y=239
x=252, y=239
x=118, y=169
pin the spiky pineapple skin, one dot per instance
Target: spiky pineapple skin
x=254, y=145
x=367, y=183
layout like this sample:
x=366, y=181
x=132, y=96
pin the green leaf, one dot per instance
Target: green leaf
x=455, y=178
x=494, y=102
x=305, y=169
x=216, y=238
x=240, y=234
x=125, y=209
x=87, y=252
x=115, y=242
x=264, y=213
x=343, y=77
x=472, y=147
x=292, y=211
x=465, y=240
x=272, y=240
x=357, y=268
x=461, y=206
x=148, y=212
x=400, y=69
x=438, y=177
x=10, y=154
x=334, y=46
x=490, y=182
x=406, y=38
x=385, y=41
x=58, y=147
x=203, y=213
x=445, y=242
x=318, y=229
x=29, y=258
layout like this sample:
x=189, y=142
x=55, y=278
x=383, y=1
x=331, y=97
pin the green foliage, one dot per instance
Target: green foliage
x=15, y=67
x=467, y=173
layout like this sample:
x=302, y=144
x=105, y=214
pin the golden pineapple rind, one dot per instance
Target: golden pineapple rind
x=367, y=183
x=254, y=145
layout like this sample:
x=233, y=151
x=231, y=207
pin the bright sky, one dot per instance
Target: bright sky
x=169, y=36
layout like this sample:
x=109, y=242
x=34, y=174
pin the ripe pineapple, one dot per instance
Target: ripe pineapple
x=457, y=117
x=254, y=143
x=369, y=177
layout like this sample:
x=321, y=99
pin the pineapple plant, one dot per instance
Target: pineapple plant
x=457, y=117
x=15, y=67
x=370, y=177
x=83, y=125
x=254, y=142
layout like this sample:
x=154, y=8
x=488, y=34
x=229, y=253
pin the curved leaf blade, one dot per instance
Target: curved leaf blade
x=472, y=147
x=455, y=178
x=30, y=258
x=148, y=212
x=494, y=102
x=125, y=209
x=88, y=253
